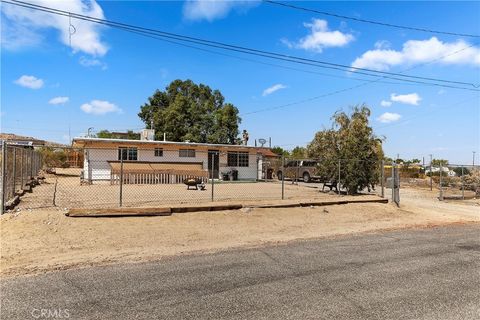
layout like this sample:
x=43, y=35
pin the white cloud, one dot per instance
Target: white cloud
x=389, y=117
x=59, y=100
x=15, y=37
x=29, y=82
x=420, y=51
x=87, y=62
x=273, y=88
x=213, y=9
x=382, y=44
x=385, y=103
x=29, y=24
x=320, y=37
x=441, y=91
x=100, y=107
x=411, y=98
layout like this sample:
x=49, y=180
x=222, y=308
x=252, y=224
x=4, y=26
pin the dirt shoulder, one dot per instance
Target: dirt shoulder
x=44, y=240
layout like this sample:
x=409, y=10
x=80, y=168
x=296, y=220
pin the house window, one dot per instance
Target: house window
x=237, y=159
x=158, y=152
x=125, y=153
x=243, y=159
x=232, y=159
x=186, y=153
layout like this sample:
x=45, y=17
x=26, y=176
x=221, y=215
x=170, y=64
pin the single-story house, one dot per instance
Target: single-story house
x=147, y=161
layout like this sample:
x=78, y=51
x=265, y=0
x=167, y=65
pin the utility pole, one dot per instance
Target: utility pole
x=473, y=160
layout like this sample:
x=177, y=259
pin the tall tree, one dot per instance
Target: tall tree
x=298, y=152
x=350, y=144
x=118, y=135
x=280, y=151
x=439, y=162
x=189, y=111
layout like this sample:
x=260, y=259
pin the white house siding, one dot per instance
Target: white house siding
x=172, y=156
x=244, y=173
x=96, y=166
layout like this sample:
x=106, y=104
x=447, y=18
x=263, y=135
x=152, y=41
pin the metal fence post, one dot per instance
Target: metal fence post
x=121, y=181
x=4, y=171
x=382, y=178
x=463, y=186
x=393, y=182
x=431, y=176
x=213, y=166
x=339, y=177
x=440, y=197
x=22, y=170
x=14, y=171
x=89, y=167
x=283, y=177
x=31, y=164
x=397, y=185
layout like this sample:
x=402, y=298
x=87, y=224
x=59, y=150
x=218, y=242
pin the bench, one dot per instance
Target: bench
x=331, y=185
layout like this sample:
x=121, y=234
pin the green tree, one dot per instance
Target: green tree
x=280, y=151
x=459, y=171
x=298, y=152
x=189, y=111
x=117, y=135
x=439, y=162
x=351, y=143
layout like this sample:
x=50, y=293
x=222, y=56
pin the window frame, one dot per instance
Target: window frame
x=238, y=159
x=158, y=152
x=127, y=154
x=189, y=153
x=232, y=158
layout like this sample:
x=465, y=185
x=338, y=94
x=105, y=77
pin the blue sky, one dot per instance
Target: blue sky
x=49, y=87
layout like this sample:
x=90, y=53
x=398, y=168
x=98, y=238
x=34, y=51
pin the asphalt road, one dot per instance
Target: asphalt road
x=414, y=274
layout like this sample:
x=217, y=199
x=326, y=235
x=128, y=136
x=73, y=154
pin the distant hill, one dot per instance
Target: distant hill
x=24, y=140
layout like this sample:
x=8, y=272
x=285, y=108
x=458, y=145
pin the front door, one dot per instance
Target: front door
x=213, y=162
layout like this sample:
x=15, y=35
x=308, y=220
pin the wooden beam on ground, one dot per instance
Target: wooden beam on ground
x=141, y=212
x=207, y=208
x=119, y=212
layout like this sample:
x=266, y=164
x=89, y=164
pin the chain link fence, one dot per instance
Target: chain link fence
x=449, y=181
x=20, y=165
x=150, y=177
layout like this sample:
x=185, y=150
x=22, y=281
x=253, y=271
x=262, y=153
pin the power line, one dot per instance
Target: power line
x=396, y=123
x=385, y=24
x=426, y=113
x=350, y=88
x=245, y=50
x=277, y=65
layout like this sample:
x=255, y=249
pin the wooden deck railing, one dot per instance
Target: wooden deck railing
x=157, y=176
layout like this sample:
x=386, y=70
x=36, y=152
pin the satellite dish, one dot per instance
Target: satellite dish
x=262, y=141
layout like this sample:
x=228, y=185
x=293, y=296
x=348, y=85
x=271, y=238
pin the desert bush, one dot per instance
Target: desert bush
x=54, y=158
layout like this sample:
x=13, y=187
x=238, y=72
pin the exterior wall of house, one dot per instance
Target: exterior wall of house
x=96, y=166
x=244, y=173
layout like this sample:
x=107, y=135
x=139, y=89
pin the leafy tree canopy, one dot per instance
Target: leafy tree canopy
x=439, y=162
x=351, y=143
x=118, y=135
x=189, y=111
x=298, y=152
x=280, y=151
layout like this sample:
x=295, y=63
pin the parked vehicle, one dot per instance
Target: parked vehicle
x=299, y=169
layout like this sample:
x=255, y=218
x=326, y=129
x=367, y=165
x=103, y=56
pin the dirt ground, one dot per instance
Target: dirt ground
x=35, y=241
x=66, y=192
